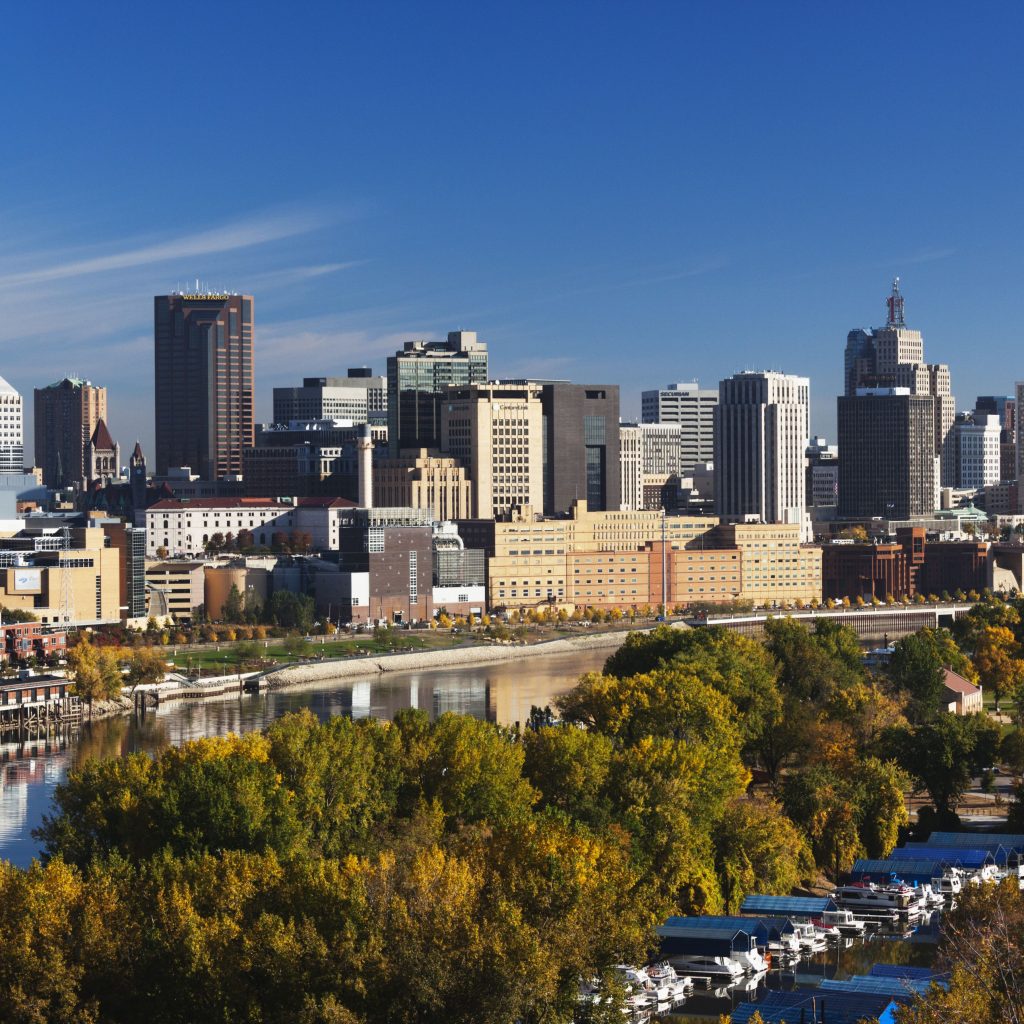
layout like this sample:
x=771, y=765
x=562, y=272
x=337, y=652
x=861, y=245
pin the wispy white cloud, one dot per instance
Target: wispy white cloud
x=925, y=255
x=242, y=234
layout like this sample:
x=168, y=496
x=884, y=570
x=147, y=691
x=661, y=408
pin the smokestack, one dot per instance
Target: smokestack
x=365, y=448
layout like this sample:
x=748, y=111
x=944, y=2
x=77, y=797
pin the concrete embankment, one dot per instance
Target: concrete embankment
x=410, y=661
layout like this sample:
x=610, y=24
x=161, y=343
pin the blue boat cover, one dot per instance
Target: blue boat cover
x=787, y=906
x=764, y=927
x=979, y=840
x=839, y=1007
x=906, y=971
x=903, y=989
x=950, y=855
x=908, y=870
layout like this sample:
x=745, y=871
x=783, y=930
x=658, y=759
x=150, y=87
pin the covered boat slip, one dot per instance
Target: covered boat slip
x=763, y=929
x=912, y=872
x=1003, y=846
x=797, y=908
x=969, y=860
x=815, y=1007
x=686, y=941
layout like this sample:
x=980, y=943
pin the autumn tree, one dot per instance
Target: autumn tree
x=998, y=661
x=96, y=671
x=981, y=947
x=147, y=666
x=759, y=849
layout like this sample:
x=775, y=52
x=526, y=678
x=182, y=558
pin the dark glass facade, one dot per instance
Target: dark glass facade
x=886, y=456
x=418, y=377
x=581, y=446
x=204, y=382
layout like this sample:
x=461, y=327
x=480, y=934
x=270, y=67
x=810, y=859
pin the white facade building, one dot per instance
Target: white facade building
x=185, y=527
x=693, y=409
x=762, y=424
x=12, y=436
x=631, y=468
x=977, y=451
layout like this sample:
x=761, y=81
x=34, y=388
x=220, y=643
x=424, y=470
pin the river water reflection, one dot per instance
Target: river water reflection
x=503, y=693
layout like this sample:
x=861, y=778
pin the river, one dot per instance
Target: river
x=499, y=693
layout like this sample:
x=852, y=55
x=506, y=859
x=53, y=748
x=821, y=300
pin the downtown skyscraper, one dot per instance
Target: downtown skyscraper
x=66, y=415
x=893, y=357
x=762, y=424
x=204, y=381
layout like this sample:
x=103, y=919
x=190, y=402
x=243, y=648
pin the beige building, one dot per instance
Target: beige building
x=75, y=586
x=588, y=558
x=628, y=559
x=496, y=431
x=175, y=588
x=631, y=467
x=419, y=479
x=775, y=566
x=962, y=697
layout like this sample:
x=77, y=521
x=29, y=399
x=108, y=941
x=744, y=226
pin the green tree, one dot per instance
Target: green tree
x=917, y=667
x=204, y=796
x=570, y=769
x=290, y=611
x=944, y=754
x=825, y=802
x=759, y=849
x=233, y=608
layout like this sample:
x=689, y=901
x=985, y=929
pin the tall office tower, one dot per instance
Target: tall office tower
x=893, y=357
x=12, y=433
x=66, y=415
x=886, y=454
x=359, y=397
x=581, y=445
x=631, y=467
x=1005, y=407
x=822, y=473
x=1019, y=438
x=762, y=423
x=497, y=431
x=693, y=408
x=417, y=379
x=975, y=441
x=204, y=382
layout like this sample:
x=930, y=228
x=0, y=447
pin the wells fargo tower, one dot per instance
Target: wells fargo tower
x=204, y=381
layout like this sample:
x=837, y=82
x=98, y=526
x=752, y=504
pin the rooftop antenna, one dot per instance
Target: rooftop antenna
x=895, y=305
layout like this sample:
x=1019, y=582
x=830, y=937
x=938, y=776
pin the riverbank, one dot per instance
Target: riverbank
x=294, y=675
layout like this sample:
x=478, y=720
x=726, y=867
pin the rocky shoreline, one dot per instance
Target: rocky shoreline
x=295, y=675
x=348, y=668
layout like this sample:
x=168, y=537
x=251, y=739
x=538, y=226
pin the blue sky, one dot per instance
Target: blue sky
x=632, y=193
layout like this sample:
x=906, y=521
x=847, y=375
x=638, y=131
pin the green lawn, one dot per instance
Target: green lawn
x=209, y=659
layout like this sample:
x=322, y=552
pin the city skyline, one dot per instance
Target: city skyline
x=712, y=189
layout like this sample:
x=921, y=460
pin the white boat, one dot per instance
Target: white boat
x=829, y=932
x=947, y=886
x=664, y=973
x=844, y=921
x=811, y=940
x=866, y=898
x=640, y=981
x=717, y=968
x=928, y=896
